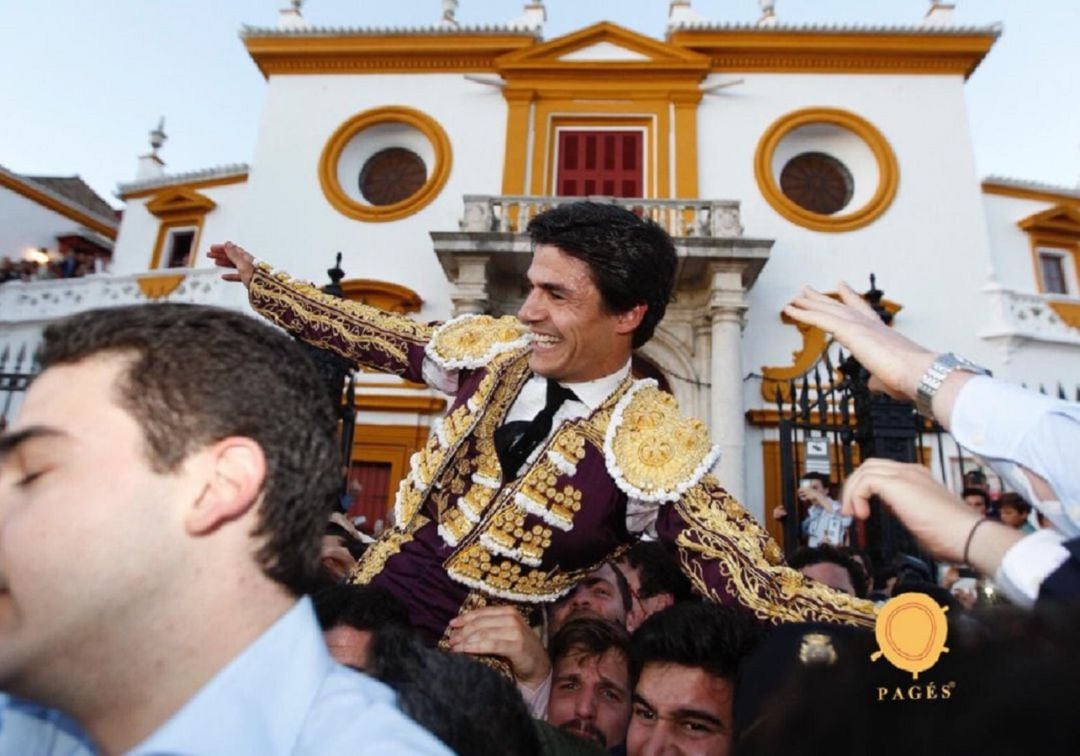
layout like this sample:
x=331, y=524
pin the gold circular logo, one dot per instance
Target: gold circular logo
x=911, y=630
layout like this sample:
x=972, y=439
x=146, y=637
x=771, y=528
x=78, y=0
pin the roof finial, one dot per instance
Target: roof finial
x=150, y=165
x=158, y=137
x=681, y=14
x=449, y=8
x=291, y=18
x=939, y=14
x=768, y=13
x=532, y=19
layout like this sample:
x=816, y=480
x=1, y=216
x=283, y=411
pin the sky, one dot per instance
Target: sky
x=82, y=82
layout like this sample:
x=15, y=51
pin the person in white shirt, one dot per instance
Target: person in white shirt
x=1028, y=439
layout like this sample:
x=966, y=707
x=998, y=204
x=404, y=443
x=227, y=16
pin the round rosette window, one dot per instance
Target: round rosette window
x=826, y=169
x=385, y=164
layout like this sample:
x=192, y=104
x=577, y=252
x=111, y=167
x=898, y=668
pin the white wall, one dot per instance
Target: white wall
x=25, y=224
x=289, y=222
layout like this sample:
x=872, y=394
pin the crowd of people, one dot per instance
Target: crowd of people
x=70, y=264
x=174, y=577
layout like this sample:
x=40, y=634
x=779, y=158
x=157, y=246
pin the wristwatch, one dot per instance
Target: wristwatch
x=934, y=376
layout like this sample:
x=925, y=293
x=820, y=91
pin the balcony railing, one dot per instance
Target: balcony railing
x=1015, y=314
x=42, y=301
x=679, y=217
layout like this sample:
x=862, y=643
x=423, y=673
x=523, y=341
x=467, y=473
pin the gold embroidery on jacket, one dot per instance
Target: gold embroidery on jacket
x=329, y=322
x=718, y=529
x=377, y=554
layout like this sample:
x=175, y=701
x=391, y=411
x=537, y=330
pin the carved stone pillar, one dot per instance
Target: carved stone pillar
x=727, y=305
x=468, y=290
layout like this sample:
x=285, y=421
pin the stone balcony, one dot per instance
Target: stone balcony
x=27, y=307
x=485, y=261
x=1014, y=318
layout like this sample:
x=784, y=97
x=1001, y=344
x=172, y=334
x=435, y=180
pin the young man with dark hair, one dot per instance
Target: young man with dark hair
x=552, y=458
x=654, y=579
x=590, y=688
x=684, y=661
x=978, y=499
x=832, y=567
x=157, y=524
x=352, y=615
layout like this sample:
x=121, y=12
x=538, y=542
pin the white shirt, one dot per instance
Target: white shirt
x=1010, y=427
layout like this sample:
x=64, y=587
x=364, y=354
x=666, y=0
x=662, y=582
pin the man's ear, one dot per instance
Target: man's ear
x=627, y=322
x=235, y=470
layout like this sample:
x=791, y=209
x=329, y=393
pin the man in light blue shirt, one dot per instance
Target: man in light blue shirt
x=157, y=527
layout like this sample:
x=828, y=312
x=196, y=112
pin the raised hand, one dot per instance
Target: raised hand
x=229, y=255
x=895, y=362
x=502, y=631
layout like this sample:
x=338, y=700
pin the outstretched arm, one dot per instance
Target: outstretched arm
x=365, y=335
x=730, y=559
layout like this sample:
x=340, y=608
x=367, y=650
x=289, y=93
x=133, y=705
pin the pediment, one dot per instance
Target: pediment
x=1063, y=220
x=600, y=44
x=171, y=202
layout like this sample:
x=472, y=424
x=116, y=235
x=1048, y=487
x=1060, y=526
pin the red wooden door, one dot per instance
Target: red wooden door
x=600, y=162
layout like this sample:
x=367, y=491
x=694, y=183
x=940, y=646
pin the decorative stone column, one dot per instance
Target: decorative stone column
x=468, y=289
x=727, y=305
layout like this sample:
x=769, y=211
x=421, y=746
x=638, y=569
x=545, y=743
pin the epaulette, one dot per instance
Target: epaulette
x=652, y=451
x=473, y=341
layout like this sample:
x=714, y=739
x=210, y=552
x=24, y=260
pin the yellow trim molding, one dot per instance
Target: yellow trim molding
x=888, y=170
x=386, y=296
x=45, y=200
x=802, y=361
x=384, y=53
x=1020, y=192
x=438, y=173
x=659, y=92
x=1057, y=228
x=236, y=178
x=178, y=208
x=843, y=52
x=159, y=287
x=422, y=405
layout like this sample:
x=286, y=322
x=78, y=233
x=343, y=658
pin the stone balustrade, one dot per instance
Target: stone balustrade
x=679, y=217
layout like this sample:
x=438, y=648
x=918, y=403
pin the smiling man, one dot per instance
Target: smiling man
x=684, y=661
x=163, y=490
x=552, y=457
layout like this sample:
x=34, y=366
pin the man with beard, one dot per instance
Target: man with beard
x=590, y=689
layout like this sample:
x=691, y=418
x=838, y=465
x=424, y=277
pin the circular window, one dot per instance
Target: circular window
x=385, y=164
x=826, y=169
x=817, y=182
x=392, y=175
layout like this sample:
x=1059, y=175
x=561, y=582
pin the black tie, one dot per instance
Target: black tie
x=515, y=441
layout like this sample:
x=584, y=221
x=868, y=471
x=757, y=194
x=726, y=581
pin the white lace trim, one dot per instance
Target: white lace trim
x=471, y=362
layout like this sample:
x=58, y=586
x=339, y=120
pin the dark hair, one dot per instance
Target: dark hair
x=658, y=570
x=632, y=259
x=977, y=492
x=200, y=374
x=590, y=637
x=624, y=587
x=468, y=706
x=365, y=607
x=825, y=481
x=806, y=556
x=704, y=635
x=1014, y=500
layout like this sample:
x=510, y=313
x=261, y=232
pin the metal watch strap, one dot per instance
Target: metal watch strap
x=935, y=375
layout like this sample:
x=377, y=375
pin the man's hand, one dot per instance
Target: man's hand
x=895, y=362
x=502, y=631
x=228, y=255
x=938, y=518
